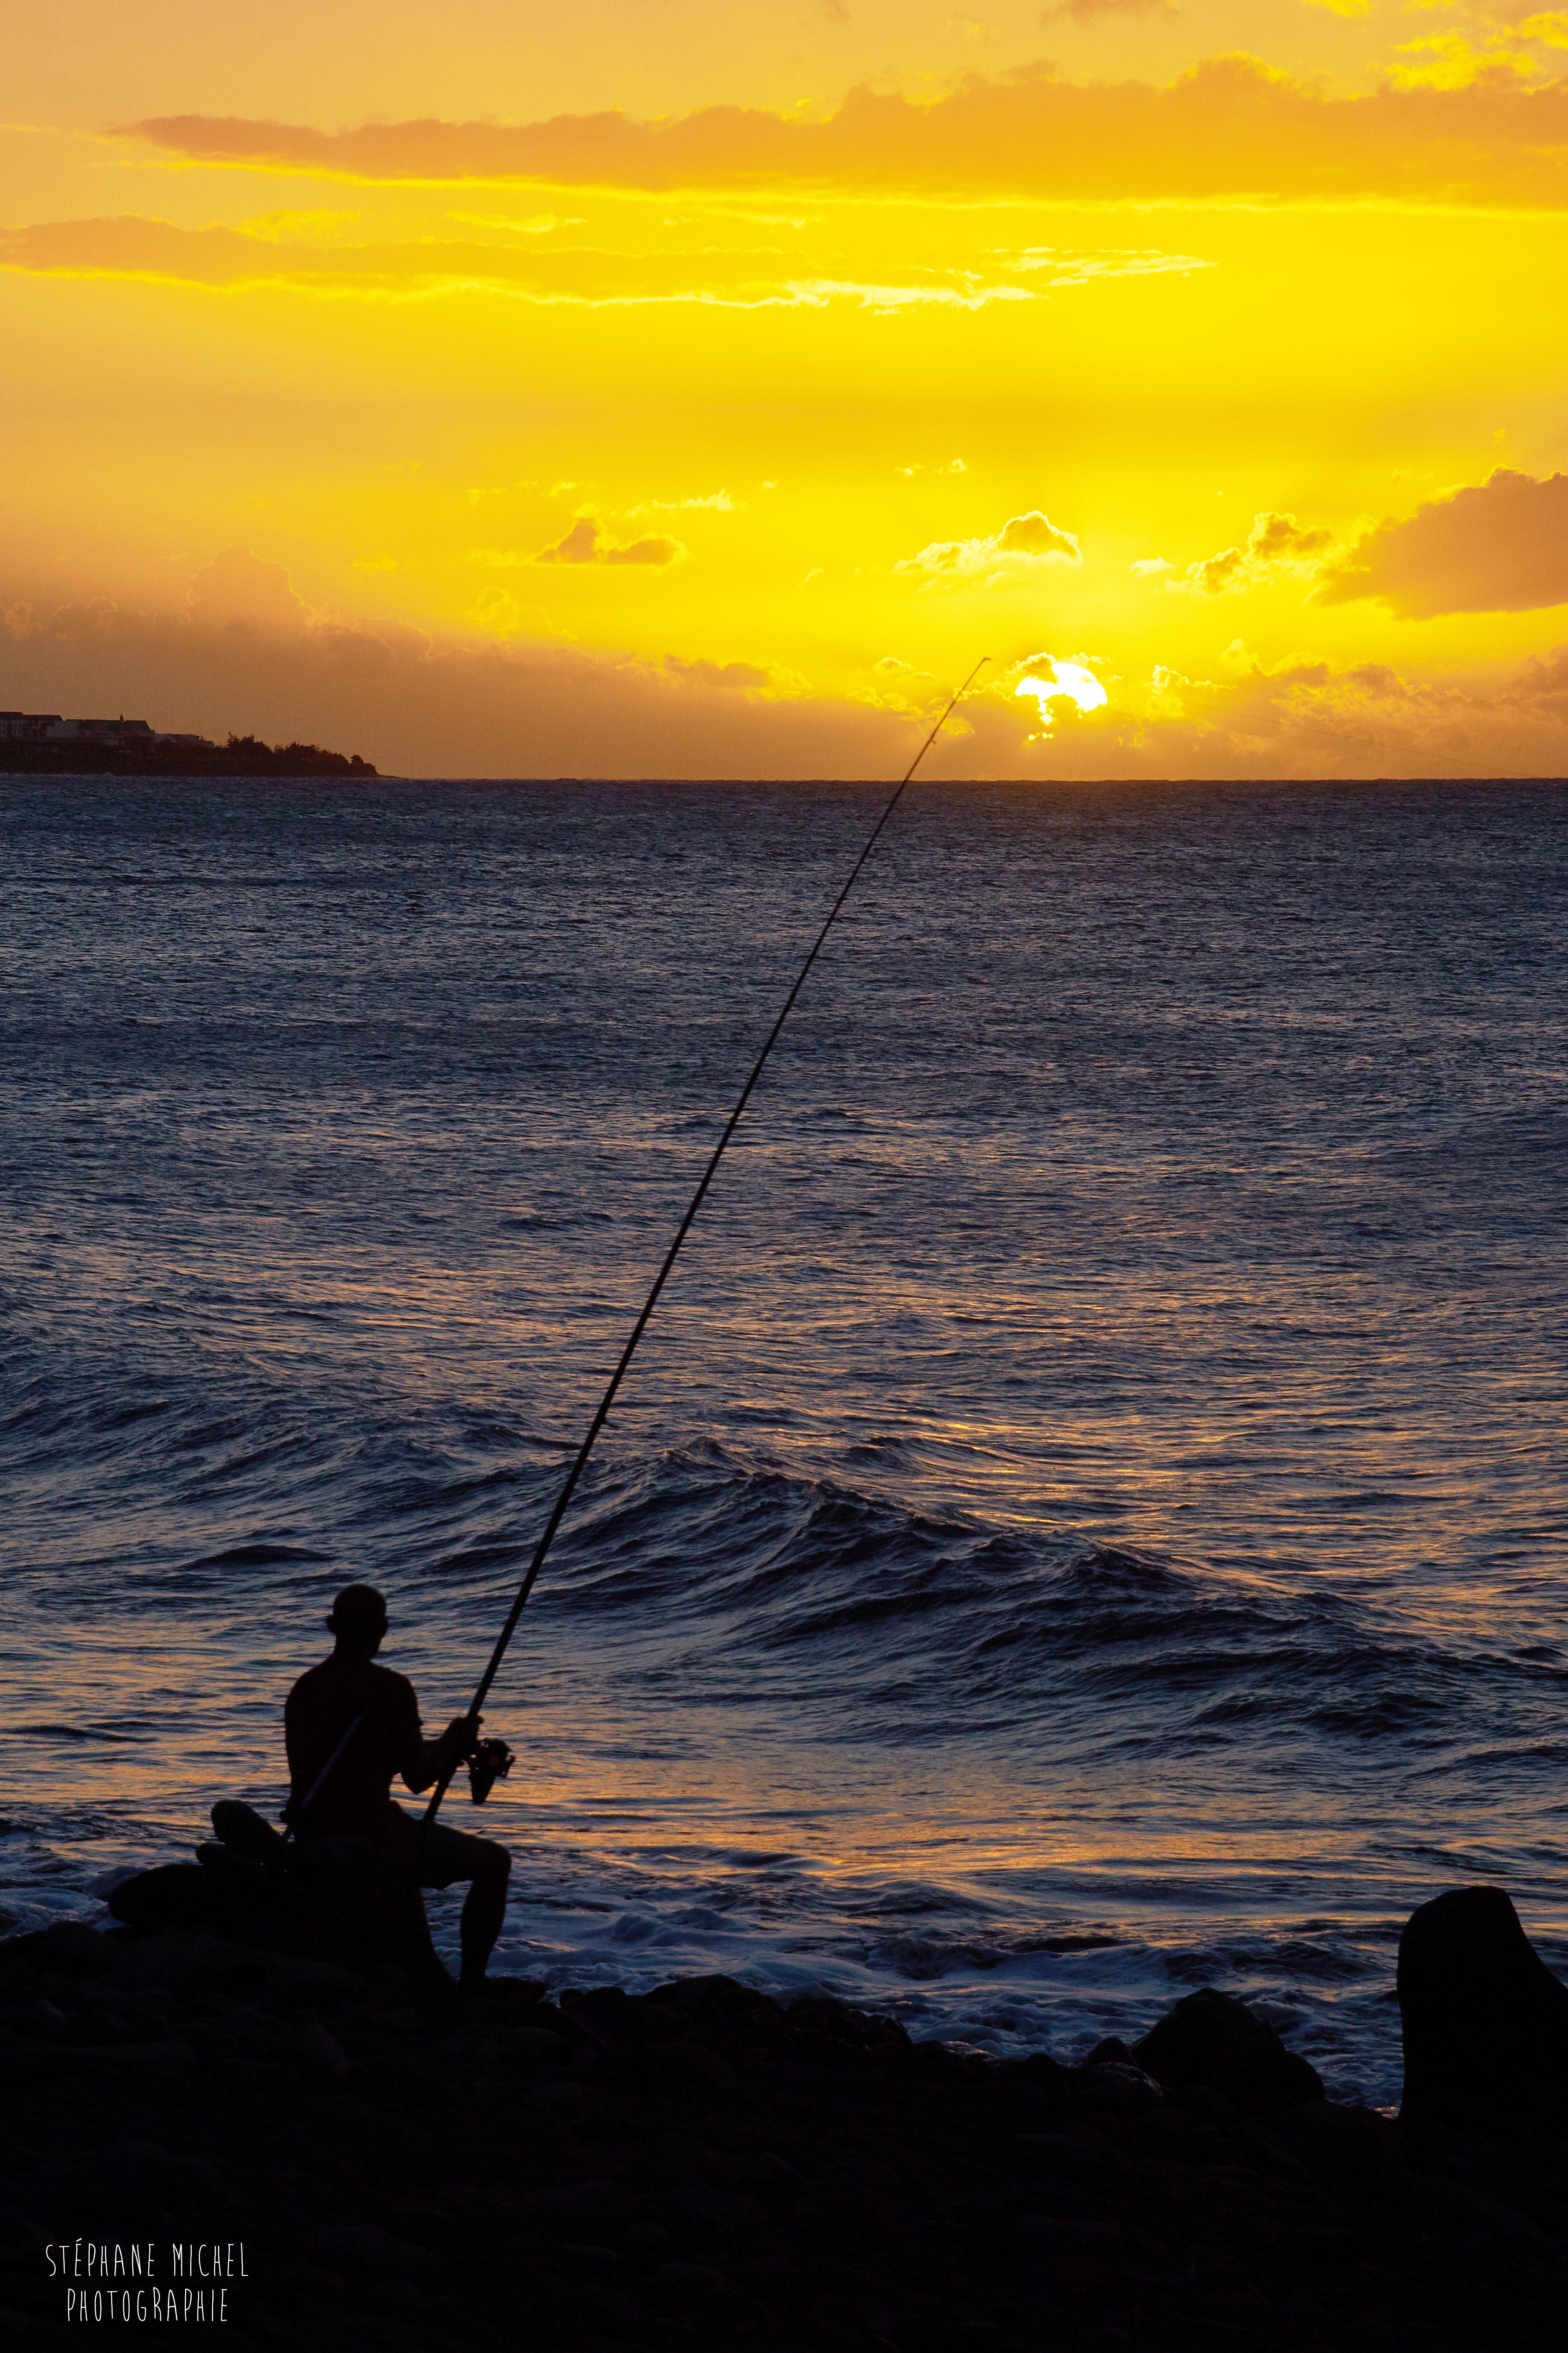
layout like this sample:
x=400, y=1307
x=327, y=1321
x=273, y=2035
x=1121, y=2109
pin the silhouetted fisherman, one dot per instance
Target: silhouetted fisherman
x=350, y=1725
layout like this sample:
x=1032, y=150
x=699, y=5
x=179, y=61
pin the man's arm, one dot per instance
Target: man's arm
x=295, y=1744
x=422, y=1762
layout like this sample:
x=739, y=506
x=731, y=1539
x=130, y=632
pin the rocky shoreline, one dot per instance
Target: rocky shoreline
x=242, y=755
x=389, y=2166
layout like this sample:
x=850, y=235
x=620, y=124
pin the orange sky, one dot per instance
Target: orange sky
x=666, y=389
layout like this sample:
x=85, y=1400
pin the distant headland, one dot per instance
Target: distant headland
x=42, y=743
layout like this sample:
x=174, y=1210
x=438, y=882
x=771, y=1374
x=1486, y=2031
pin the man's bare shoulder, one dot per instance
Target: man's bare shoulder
x=380, y=1688
x=307, y=1684
x=391, y=1690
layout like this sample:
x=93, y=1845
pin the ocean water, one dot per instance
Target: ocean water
x=1090, y=1515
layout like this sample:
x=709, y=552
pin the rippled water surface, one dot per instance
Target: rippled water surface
x=1089, y=1518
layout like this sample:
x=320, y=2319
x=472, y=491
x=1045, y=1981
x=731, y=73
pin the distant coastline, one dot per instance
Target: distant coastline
x=242, y=755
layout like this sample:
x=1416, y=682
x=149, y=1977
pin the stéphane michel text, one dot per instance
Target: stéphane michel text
x=147, y=2279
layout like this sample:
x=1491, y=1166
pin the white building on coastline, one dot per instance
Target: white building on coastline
x=48, y=727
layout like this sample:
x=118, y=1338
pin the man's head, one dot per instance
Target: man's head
x=359, y=1619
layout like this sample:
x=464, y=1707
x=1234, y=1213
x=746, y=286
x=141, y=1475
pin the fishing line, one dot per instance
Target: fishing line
x=673, y=1252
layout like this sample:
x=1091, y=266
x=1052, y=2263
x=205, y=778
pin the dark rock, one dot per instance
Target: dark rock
x=409, y=2083
x=1204, y=2105
x=1111, y=2052
x=320, y=2056
x=366, y=2247
x=826, y=2018
x=719, y=2005
x=686, y=2064
x=563, y=2100
x=134, y=2175
x=1126, y=2091
x=172, y=1896
x=351, y=1906
x=438, y=2195
x=141, y=2062
x=298, y=1982
x=70, y=1946
x=595, y=2304
x=935, y=2058
x=1164, y=2132
x=74, y=1947
x=186, y=1961
x=611, y=2014
x=1053, y=2235
x=23, y=2060
x=1211, y=2038
x=535, y=2046
x=1045, y=2077
x=1460, y=2209
x=1485, y=2022
x=1344, y=2140
x=333, y=1899
x=691, y=2282
x=597, y=2210
x=1264, y=2148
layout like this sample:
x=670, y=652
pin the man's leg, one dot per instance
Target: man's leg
x=484, y=1908
x=440, y=1857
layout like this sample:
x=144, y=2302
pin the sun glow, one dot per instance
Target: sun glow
x=1070, y=681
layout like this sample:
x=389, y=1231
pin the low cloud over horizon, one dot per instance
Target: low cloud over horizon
x=245, y=653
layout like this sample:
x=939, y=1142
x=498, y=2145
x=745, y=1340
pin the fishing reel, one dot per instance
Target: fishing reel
x=489, y=1761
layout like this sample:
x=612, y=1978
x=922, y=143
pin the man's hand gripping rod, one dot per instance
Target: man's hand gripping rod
x=559, y=1513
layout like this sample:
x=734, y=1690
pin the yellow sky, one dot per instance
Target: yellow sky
x=697, y=396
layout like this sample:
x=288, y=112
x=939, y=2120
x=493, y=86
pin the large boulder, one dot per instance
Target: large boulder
x=1211, y=2038
x=1486, y=2022
x=329, y=1899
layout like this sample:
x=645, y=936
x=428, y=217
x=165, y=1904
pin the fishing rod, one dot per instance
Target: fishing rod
x=672, y=1254
x=291, y=1812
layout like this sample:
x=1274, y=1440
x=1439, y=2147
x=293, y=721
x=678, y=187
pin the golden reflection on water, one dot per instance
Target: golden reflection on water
x=1099, y=1466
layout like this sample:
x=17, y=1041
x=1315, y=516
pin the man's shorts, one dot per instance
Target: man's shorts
x=436, y=1857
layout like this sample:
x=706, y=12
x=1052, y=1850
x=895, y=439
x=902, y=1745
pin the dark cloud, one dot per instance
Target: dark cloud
x=1228, y=126
x=126, y=246
x=1084, y=11
x=1500, y=547
x=585, y=544
x=422, y=706
x=744, y=676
